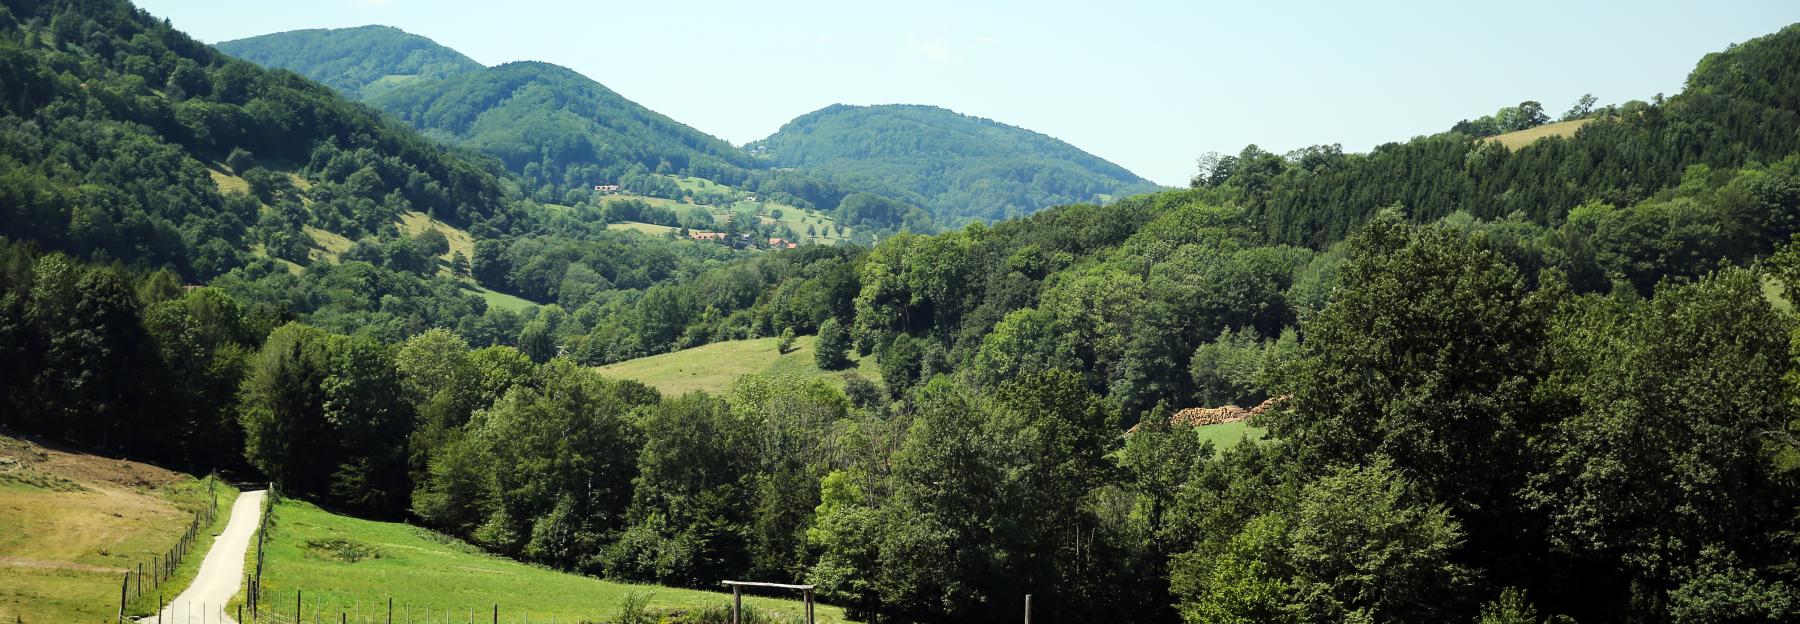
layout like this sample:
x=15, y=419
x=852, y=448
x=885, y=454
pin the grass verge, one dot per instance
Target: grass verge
x=353, y=566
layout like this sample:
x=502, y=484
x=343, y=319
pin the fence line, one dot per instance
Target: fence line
x=300, y=611
x=253, y=584
x=163, y=566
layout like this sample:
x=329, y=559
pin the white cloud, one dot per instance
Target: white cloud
x=937, y=50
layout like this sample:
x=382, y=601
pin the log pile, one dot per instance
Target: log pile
x=1202, y=416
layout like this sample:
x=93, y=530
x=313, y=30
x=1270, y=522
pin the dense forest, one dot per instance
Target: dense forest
x=955, y=166
x=1490, y=406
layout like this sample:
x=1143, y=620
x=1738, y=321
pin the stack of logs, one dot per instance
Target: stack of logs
x=1203, y=416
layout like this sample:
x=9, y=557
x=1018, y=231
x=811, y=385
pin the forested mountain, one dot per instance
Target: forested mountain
x=1526, y=387
x=362, y=61
x=956, y=166
x=556, y=129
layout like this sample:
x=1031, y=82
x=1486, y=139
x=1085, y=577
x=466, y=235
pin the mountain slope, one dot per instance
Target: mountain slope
x=362, y=61
x=949, y=163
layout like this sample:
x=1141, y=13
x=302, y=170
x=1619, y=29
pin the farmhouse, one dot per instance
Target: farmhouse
x=606, y=188
x=782, y=243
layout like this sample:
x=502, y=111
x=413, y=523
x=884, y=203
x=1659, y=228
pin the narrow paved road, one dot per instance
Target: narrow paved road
x=221, y=573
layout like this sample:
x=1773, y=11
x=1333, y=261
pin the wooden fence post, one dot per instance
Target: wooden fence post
x=737, y=605
x=123, y=589
x=1027, y=608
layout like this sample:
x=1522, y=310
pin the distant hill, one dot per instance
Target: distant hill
x=571, y=127
x=362, y=61
x=558, y=129
x=952, y=164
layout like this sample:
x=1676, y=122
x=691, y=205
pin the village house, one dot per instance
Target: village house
x=606, y=188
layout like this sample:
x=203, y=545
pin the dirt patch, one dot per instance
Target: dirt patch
x=73, y=466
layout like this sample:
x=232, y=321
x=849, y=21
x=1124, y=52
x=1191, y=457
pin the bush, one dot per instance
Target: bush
x=787, y=341
x=834, y=345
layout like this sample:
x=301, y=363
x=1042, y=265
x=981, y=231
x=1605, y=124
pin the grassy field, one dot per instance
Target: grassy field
x=646, y=228
x=342, y=563
x=1516, y=140
x=1227, y=435
x=502, y=300
x=714, y=367
x=794, y=217
x=71, y=524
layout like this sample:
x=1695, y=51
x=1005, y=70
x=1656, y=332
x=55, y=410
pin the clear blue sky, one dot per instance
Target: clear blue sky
x=1149, y=85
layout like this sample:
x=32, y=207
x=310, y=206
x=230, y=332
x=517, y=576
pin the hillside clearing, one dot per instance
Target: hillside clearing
x=503, y=301
x=350, y=565
x=1516, y=140
x=1226, y=435
x=714, y=367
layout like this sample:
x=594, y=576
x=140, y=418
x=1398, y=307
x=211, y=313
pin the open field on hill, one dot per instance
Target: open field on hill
x=71, y=524
x=1516, y=140
x=341, y=563
x=1227, y=435
x=497, y=299
x=413, y=223
x=714, y=367
x=646, y=228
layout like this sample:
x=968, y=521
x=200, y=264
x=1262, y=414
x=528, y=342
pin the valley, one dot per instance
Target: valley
x=503, y=338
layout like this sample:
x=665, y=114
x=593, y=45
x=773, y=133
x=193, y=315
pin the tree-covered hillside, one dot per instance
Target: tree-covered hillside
x=362, y=61
x=1739, y=107
x=558, y=130
x=956, y=166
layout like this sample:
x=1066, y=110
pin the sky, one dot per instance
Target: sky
x=1148, y=85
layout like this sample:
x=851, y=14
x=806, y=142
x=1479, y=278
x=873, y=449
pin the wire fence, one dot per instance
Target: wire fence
x=253, y=582
x=308, y=611
x=150, y=576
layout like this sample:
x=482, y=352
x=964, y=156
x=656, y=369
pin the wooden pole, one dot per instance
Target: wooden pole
x=737, y=605
x=390, y=619
x=1027, y=608
x=123, y=588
